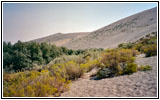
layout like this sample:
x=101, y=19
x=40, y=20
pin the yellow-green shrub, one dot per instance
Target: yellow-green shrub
x=149, y=50
x=69, y=70
x=88, y=66
x=91, y=54
x=57, y=70
x=126, y=45
x=144, y=68
x=117, y=62
x=130, y=68
x=73, y=70
x=64, y=59
x=33, y=84
x=147, y=45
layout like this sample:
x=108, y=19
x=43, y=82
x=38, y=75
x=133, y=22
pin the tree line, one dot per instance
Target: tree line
x=23, y=55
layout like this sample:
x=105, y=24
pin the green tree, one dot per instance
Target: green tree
x=21, y=61
x=36, y=53
x=45, y=48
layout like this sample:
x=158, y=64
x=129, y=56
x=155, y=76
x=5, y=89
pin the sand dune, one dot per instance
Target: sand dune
x=126, y=30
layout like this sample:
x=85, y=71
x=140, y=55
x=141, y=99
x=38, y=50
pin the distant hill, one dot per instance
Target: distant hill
x=60, y=39
x=125, y=30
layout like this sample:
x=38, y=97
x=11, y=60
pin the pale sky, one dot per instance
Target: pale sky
x=28, y=21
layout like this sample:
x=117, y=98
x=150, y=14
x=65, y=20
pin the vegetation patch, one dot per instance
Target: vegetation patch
x=33, y=84
x=117, y=62
x=25, y=55
x=147, y=45
x=144, y=68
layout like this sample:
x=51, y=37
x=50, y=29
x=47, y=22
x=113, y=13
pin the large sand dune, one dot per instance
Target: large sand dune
x=126, y=30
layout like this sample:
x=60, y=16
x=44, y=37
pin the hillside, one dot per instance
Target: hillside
x=60, y=39
x=126, y=30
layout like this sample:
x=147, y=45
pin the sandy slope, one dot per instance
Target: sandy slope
x=60, y=39
x=140, y=84
x=129, y=29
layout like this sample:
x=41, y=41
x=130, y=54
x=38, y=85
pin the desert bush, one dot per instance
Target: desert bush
x=117, y=62
x=144, y=68
x=104, y=73
x=147, y=45
x=88, y=66
x=33, y=84
x=138, y=46
x=91, y=54
x=149, y=50
x=73, y=70
x=87, y=55
x=64, y=59
x=130, y=68
x=126, y=45
x=57, y=70
x=113, y=57
x=69, y=70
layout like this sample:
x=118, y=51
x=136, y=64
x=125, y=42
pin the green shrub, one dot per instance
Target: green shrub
x=64, y=59
x=69, y=70
x=92, y=54
x=73, y=70
x=88, y=66
x=138, y=46
x=149, y=50
x=104, y=73
x=117, y=62
x=57, y=70
x=144, y=68
x=147, y=45
x=126, y=45
x=130, y=68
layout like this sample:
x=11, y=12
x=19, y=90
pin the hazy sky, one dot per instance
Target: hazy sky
x=27, y=21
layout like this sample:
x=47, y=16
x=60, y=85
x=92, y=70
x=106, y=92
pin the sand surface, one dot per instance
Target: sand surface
x=139, y=84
